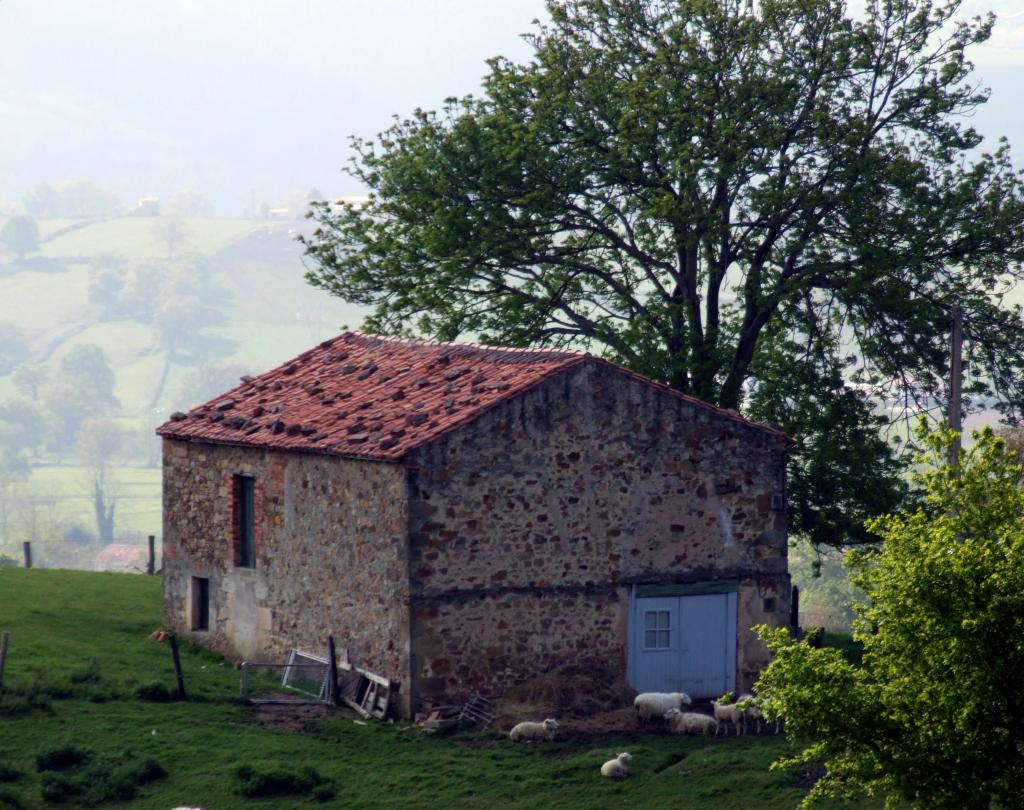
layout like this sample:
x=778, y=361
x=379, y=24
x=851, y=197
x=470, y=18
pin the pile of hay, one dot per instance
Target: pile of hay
x=585, y=698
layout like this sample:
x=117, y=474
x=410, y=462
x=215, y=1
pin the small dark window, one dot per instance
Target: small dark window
x=769, y=604
x=245, y=521
x=200, y=603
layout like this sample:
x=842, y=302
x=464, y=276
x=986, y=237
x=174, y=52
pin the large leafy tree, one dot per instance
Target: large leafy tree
x=935, y=714
x=680, y=184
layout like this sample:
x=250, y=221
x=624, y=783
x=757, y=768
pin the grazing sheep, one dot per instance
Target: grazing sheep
x=527, y=731
x=752, y=710
x=690, y=722
x=728, y=713
x=617, y=768
x=649, y=705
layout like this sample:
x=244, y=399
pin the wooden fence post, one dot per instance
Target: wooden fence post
x=26, y=549
x=334, y=693
x=4, y=641
x=151, y=563
x=177, y=666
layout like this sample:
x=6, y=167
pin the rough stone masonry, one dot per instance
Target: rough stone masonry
x=496, y=549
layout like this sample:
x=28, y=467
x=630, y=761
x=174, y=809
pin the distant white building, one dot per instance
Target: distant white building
x=147, y=207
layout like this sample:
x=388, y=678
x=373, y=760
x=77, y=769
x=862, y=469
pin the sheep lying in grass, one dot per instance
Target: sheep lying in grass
x=690, y=722
x=527, y=731
x=617, y=768
x=728, y=713
x=651, y=705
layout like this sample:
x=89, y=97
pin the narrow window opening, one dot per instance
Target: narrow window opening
x=245, y=521
x=769, y=604
x=200, y=603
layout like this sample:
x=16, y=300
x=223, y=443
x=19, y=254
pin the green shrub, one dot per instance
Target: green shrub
x=324, y=792
x=61, y=759
x=86, y=674
x=15, y=705
x=57, y=788
x=154, y=692
x=107, y=780
x=279, y=782
x=149, y=770
x=853, y=651
x=56, y=691
x=9, y=801
x=9, y=773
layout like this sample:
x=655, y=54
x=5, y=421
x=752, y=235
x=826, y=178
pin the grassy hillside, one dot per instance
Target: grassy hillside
x=80, y=652
x=133, y=237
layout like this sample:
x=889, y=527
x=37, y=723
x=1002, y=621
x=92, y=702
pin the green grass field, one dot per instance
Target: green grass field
x=80, y=651
x=133, y=237
x=136, y=490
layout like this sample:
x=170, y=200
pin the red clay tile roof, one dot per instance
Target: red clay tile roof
x=371, y=397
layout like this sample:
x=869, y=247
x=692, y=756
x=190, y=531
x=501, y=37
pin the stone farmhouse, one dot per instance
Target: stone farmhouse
x=465, y=517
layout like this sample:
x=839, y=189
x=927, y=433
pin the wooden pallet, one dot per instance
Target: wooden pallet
x=368, y=693
x=479, y=710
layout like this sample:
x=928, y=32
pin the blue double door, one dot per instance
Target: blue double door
x=683, y=644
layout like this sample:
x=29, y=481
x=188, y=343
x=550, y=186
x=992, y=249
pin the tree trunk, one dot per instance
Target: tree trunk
x=104, y=514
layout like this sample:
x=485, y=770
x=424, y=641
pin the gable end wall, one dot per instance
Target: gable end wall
x=529, y=527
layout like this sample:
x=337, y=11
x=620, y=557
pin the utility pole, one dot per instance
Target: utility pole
x=955, y=384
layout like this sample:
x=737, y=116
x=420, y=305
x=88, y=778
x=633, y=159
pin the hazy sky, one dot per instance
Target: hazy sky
x=252, y=99
x=231, y=97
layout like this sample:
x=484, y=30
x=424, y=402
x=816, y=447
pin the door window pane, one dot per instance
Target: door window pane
x=657, y=629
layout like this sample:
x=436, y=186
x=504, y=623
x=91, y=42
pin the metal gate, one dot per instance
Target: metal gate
x=681, y=641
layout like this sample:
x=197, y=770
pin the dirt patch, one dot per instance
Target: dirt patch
x=585, y=698
x=297, y=717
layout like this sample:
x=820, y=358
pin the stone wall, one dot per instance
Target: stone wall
x=491, y=638
x=589, y=483
x=330, y=554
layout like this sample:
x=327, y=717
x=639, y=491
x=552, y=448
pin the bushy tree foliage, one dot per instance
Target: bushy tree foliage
x=190, y=204
x=21, y=235
x=173, y=232
x=78, y=200
x=934, y=716
x=14, y=348
x=680, y=185
x=83, y=389
x=190, y=301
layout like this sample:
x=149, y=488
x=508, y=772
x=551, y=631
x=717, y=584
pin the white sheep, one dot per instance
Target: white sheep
x=649, y=705
x=527, y=731
x=752, y=710
x=617, y=768
x=690, y=722
x=728, y=713
x=749, y=710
